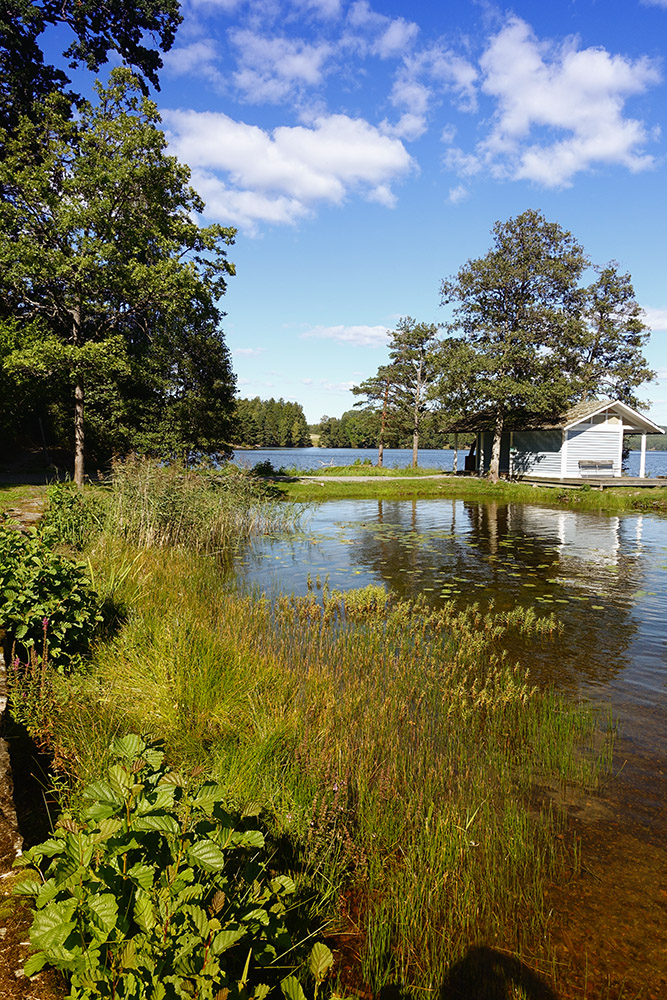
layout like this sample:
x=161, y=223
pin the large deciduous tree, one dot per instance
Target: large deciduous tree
x=528, y=338
x=106, y=269
x=121, y=27
x=513, y=309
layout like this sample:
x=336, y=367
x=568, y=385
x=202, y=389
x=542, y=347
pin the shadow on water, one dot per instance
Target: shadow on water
x=485, y=974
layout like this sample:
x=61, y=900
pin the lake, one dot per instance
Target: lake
x=603, y=576
x=401, y=458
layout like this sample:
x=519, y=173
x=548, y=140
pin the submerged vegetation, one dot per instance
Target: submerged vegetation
x=392, y=754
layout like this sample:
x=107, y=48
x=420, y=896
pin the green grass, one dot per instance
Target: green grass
x=361, y=469
x=394, y=747
x=14, y=496
x=470, y=488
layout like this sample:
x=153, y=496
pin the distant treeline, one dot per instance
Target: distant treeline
x=270, y=423
x=655, y=442
x=360, y=428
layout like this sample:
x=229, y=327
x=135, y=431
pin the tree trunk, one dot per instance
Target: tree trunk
x=383, y=424
x=494, y=467
x=78, y=435
x=415, y=425
x=78, y=404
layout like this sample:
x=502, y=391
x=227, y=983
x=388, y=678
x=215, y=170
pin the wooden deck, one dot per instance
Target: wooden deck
x=597, y=482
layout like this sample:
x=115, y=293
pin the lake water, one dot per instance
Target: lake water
x=605, y=578
x=401, y=458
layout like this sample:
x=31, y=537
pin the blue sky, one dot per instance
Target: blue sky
x=364, y=150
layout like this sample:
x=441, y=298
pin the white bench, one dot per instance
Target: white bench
x=596, y=466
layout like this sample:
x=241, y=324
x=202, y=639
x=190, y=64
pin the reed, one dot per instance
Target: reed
x=393, y=746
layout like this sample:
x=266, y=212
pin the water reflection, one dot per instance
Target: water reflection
x=600, y=575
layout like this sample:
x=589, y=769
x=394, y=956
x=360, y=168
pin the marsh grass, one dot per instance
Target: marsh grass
x=393, y=746
x=653, y=499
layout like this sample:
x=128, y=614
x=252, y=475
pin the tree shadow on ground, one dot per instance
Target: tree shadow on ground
x=485, y=974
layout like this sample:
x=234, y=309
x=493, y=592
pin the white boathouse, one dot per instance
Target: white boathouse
x=586, y=442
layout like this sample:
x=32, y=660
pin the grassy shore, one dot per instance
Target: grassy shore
x=470, y=488
x=396, y=756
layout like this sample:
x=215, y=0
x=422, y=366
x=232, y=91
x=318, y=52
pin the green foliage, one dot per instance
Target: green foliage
x=107, y=271
x=153, y=889
x=121, y=28
x=205, y=509
x=528, y=339
x=44, y=598
x=72, y=517
x=399, y=390
x=270, y=423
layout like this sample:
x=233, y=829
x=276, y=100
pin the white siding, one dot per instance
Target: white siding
x=588, y=442
x=537, y=453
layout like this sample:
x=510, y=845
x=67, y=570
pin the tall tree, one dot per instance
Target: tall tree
x=514, y=309
x=604, y=353
x=100, y=252
x=122, y=27
x=401, y=387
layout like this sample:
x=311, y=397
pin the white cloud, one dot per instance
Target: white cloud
x=359, y=336
x=281, y=176
x=270, y=69
x=457, y=194
x=656, y=319
x=197, y=59
x=381, y=35
x=325, y=8
x=559, y=109
x=248, y=351
x=408, y=127
x=655, y=3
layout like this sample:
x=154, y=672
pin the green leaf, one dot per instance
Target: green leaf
x=35, y=964
x=142, y=874
x=102, y=793
x=144, y=913
x=283, y=883
x=320, y=961
x=52, y=926
x=104, y=913
x=250, y=838
x=226, y=939
x=129, y=747
x=207, y=855
x=291, y=988
x=27, y=887
x=163, y=824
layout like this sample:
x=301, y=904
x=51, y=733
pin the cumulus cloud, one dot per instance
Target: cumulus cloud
x=383, y=36
x=656, y=318
x=197, y=59
x=559, y=109
x=457, y=194
x=358, y=336
x=282, y=175
x=271, y=69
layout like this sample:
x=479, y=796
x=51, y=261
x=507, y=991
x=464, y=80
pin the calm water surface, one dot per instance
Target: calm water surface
x=604, y=577
x=429, y=458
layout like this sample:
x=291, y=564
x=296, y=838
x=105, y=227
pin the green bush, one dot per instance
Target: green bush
x=154, y=890
x=44, y=598
x=72, y=517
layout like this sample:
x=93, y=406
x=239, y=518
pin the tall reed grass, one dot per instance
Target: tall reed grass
x=151, y=504
x=394, y=746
